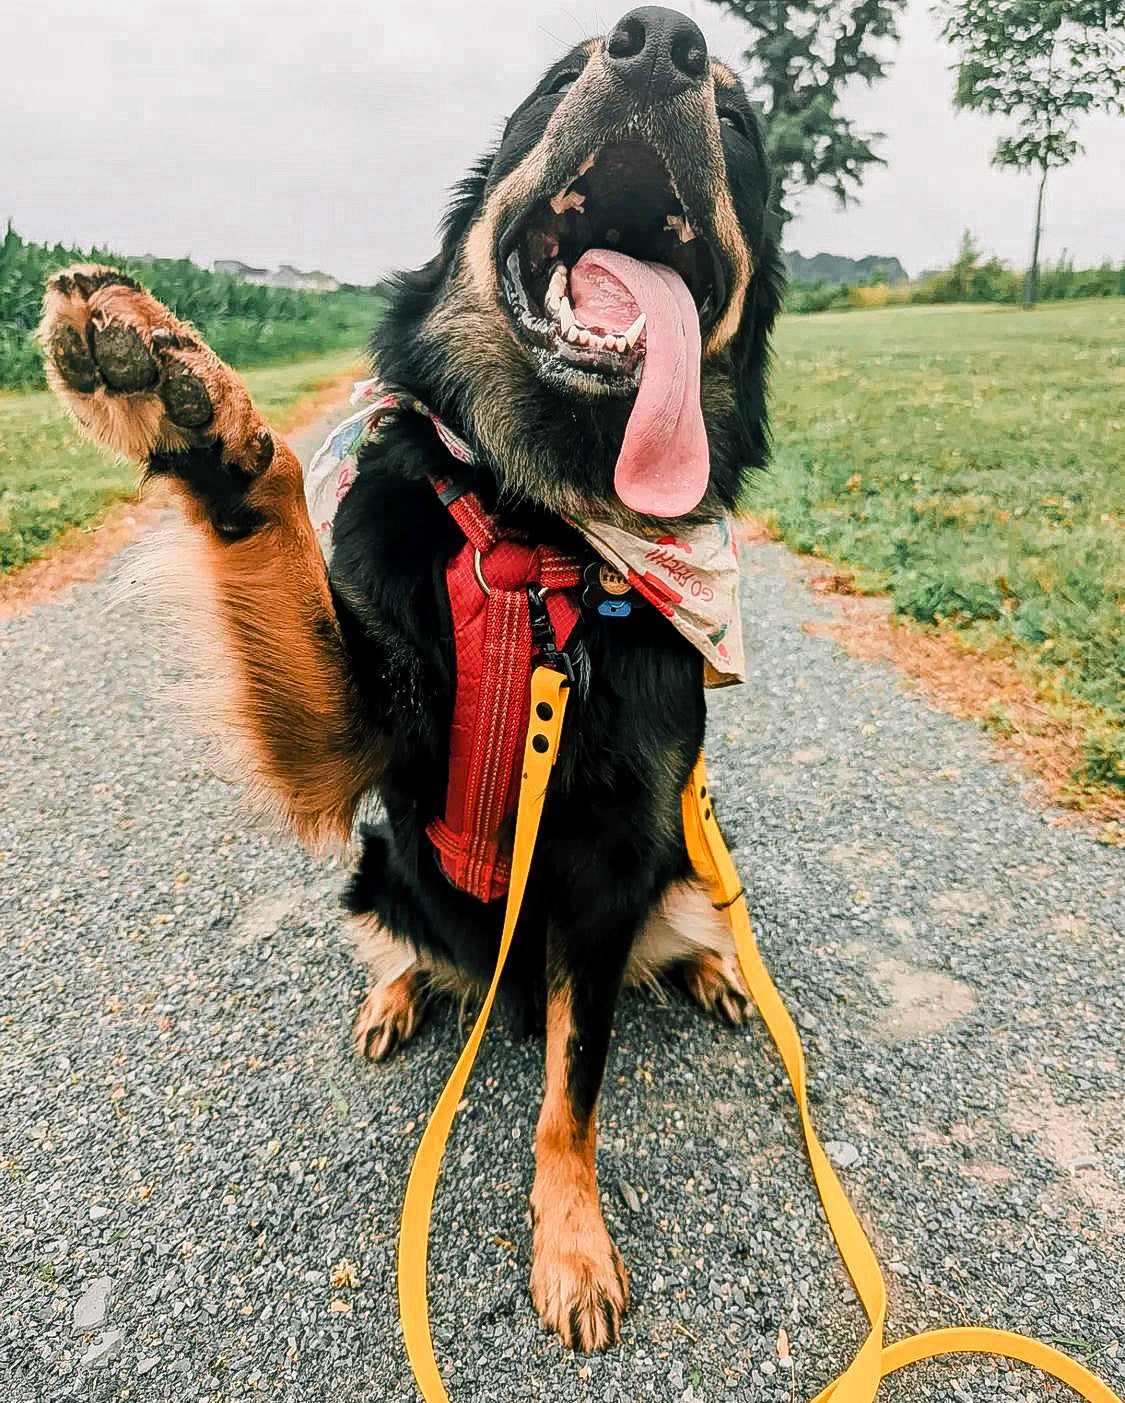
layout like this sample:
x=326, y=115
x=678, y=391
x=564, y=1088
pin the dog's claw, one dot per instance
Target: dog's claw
x=389, y=1016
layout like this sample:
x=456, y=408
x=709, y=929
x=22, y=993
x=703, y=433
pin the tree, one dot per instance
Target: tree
x=1044, y=63
x=804, y=52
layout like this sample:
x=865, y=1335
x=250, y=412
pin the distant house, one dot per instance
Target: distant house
x=242, y=270
x=285, y=276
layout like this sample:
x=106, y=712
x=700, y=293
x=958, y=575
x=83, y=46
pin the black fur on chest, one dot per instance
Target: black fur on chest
x=611, y=838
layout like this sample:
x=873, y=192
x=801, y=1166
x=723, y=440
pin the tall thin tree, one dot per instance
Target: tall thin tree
x=1045, y=64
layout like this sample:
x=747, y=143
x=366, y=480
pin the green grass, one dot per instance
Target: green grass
x=52, y=479
x=968, y=461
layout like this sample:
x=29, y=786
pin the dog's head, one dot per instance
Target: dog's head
x=597, y=318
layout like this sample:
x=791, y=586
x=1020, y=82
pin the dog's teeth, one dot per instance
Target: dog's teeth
x=584, y=337
x=555, y=289
x=572, y=334
x=630, y=337
x=566, y=314
x=679, y=224
x=621, y=345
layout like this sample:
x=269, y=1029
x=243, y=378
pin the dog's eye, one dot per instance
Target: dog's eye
x=563, y=83
x=734, y=121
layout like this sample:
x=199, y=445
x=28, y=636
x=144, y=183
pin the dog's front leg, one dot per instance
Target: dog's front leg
x=579, y=1284
x=143, y=384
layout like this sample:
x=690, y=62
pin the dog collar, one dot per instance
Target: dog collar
x=689, y=574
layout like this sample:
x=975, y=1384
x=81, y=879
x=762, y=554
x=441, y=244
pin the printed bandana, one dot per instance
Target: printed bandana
x=689, y=574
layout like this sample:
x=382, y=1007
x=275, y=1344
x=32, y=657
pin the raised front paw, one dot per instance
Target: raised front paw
x=138, y=380
x=579, y=1284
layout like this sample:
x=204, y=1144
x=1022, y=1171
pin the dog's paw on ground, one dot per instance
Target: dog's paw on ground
x=138, y=380
x=579, y=1287
x=715, y=983
x=389, y=1016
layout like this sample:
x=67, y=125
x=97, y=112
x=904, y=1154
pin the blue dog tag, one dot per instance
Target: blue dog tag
x=608, y=592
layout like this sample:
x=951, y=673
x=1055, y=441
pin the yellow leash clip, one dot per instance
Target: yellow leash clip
x=548, y=703
x=860, y=1382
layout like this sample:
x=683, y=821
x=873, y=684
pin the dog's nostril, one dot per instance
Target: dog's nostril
x=657, y=52
x=689, y=56
x=627, y=40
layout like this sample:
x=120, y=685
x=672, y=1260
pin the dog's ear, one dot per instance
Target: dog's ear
x=750, y=351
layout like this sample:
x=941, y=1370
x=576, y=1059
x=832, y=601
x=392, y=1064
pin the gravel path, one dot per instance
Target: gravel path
x=199, y=1182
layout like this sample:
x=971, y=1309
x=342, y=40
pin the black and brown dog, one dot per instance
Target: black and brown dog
x=625, y=203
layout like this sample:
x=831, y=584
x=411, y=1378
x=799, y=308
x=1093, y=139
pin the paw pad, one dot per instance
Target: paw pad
x=123, y=358
x=185, y=397
x=72, y=356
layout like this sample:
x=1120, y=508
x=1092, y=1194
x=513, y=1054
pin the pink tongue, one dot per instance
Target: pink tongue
x=664, y=464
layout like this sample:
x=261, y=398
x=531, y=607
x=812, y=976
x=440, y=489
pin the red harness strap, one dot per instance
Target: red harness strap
x=488, y=582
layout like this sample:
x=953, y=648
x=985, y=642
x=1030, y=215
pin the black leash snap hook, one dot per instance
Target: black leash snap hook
x=544, y=644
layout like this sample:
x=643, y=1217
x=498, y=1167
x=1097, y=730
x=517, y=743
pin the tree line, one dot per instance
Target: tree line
x=246, y=324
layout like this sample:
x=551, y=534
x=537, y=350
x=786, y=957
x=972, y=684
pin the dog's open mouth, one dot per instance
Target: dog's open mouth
x=622, y=200
x=611, y=286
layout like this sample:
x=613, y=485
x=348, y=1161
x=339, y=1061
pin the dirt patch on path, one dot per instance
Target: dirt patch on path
x=83, y=552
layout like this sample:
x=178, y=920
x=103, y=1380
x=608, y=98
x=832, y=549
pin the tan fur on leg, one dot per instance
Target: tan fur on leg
x=579, y=1284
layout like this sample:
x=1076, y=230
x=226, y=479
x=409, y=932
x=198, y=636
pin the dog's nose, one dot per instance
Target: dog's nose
x=658, y=52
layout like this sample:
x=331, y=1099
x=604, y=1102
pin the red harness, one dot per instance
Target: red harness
x=509, y=602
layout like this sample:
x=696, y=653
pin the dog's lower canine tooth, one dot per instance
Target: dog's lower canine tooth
x=555, y=289
x=634, y=331
x=566, y=313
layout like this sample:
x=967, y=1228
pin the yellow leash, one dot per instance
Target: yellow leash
x=548, y=702
x=860, y=1381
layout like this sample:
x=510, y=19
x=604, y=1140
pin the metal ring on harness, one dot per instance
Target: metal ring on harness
x=486, y=589
x=478, y=573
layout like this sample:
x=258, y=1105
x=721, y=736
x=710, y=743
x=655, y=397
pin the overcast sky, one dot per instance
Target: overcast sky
x=327, y=135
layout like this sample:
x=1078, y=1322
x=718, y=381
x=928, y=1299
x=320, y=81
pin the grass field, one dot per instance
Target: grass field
x=968, y=460
x=52, y=479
